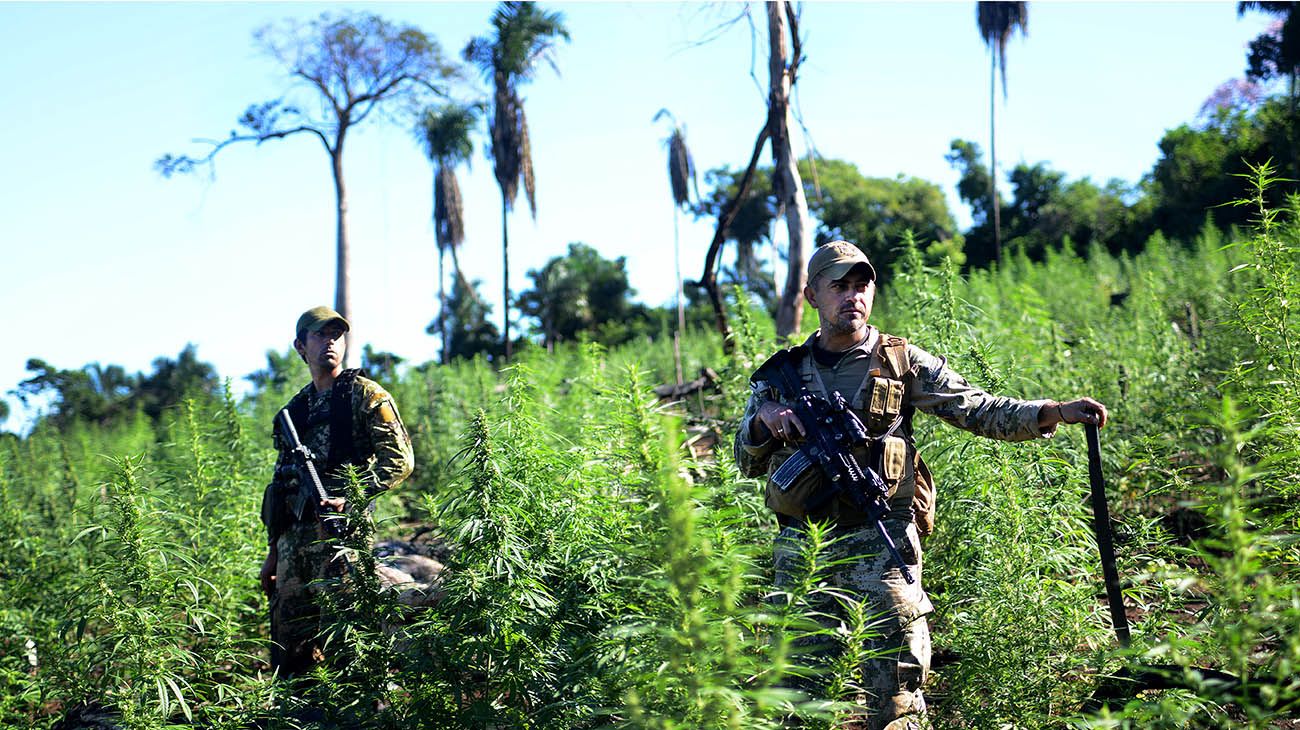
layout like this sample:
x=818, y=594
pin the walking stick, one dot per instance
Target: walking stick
x=1105, y=542
x=1131, y=680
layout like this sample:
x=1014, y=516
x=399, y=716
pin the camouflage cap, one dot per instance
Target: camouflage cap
x=316, y=317
x=835, y=259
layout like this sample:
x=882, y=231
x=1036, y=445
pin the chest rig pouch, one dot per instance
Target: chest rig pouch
x=890, y=420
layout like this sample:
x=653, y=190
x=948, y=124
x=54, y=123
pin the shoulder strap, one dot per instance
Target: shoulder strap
x=790, y=356
x=343, y=448
x=298, y=410
x=893, y=353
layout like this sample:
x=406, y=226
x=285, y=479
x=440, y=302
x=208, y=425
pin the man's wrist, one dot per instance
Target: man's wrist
x=1049, y=415
x=758, y=431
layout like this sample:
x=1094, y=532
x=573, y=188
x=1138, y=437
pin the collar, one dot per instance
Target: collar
x=868, y=343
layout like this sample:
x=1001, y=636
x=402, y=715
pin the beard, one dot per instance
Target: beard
x=843, y=323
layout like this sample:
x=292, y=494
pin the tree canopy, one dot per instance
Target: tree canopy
x=872, y=212
x=1275, y=53
x=1045, y=209
x=103, y=394
x=469, y=332
x=1200, y=168
x=875, y=212
x=581, y=292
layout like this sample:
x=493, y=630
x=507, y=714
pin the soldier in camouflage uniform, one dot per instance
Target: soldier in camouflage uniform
x=343, y=418
x=884, y=381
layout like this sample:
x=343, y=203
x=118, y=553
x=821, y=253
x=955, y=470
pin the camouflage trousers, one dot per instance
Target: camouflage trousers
x=891, y=678
x=307, y=568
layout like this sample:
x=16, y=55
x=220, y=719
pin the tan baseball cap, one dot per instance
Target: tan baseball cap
x=834, y=260
x=316, y=317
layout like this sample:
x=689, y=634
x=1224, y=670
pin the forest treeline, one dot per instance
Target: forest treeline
x=583, y=295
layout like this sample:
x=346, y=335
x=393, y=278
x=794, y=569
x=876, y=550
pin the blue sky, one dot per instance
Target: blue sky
x=106, y=261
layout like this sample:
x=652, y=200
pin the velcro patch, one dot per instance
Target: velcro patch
x=386, y=412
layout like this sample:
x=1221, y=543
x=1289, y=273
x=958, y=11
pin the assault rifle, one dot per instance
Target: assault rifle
x=333, y=525
x=831, y=430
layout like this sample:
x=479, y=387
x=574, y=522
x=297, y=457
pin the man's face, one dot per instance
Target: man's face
x=324, y=348
x=843, y=305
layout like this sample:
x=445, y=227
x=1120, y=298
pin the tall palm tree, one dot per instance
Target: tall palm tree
x=523, y=34
x=681, y=169
x=997, y=22
x=445, y=132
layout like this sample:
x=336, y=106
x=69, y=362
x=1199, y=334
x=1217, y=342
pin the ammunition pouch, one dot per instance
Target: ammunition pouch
x=923, y=498
x=274, y=513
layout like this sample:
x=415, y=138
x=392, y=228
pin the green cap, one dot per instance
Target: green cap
x=834, y=260
x=316, y=317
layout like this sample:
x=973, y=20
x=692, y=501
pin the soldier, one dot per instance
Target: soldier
x=343, y=418
x=884, y=380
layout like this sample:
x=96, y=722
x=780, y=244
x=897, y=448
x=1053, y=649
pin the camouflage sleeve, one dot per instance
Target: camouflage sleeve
x=751, y=458
x=940, y=391
x=394, y=455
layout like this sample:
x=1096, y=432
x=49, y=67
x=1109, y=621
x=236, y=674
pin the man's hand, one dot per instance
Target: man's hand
x=267, y=575
x=1083, y=410
x=776, y=419
x=334, y=505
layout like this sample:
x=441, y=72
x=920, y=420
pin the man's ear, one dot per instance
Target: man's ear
x=301, y=349
x=808, y=295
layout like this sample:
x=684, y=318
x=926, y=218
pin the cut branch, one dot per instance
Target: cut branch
x=709, y=280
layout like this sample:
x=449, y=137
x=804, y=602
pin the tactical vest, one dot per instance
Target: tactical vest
x=343, y=449
x=891, y=451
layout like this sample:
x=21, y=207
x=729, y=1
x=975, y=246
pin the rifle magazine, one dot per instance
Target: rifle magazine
x=796, y=465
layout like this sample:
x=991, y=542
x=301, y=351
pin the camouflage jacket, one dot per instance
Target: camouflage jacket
x=381, y=443
x=929, y=385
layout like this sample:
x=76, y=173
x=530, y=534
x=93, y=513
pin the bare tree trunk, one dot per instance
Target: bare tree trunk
x=788, y=184
x=505, y=276
x=342, y=291
x=994, y=205
x=442, y=301
x=776, y=251
x=709, y=280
